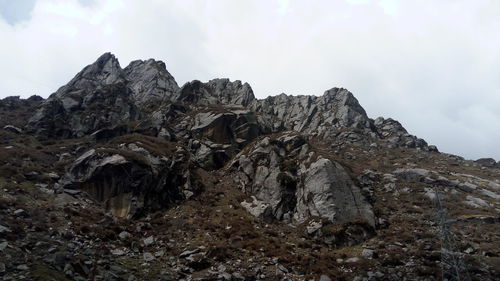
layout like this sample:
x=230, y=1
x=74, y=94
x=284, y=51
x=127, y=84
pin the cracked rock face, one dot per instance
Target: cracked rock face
x=95, y=98
x=131, y=181
x=216, y=91
x=290, y=182
x=150, y=81
x=103, y=95
x=396, y=135
x=321, y=116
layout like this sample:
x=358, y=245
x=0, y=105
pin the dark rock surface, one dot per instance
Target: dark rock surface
x=95, y=98
x=131, y=180
x=216, y=91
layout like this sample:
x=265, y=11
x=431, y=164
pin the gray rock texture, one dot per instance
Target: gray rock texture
x=150, y=82
x=95, y=98
x=321, y=116
x=284, y=175
x=216, y=91
x=396, y=135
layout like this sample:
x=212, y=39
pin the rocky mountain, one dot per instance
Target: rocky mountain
x=123, y=175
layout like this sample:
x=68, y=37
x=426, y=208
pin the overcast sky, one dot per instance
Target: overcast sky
x=432, y=65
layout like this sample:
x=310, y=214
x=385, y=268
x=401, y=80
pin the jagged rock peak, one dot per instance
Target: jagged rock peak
x=105, y=70
x=319, y=115
x=150, y=81
x=217, y=91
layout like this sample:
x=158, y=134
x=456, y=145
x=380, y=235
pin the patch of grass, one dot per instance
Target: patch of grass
x=45, y=273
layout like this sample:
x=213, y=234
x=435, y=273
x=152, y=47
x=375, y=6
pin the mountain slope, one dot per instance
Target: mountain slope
x=123, y=175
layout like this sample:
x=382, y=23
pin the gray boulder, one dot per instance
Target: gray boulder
x=282, y=174
x=488, y=162
x=329, y=192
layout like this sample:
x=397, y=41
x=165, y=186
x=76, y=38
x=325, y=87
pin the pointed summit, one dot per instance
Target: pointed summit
x=105, y=70
x=150, y=81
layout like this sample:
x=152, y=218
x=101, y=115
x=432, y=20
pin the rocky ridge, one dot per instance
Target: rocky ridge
x=123, y=175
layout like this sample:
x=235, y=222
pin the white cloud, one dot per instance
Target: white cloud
x=433, y=65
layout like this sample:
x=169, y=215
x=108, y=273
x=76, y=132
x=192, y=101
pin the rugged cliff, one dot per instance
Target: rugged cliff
x=123, y=175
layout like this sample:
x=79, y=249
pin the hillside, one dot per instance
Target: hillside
x=123, y=175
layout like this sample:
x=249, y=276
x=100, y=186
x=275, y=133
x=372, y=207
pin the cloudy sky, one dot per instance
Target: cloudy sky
x=432, y=65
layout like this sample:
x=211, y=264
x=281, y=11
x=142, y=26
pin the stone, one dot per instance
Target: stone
x=368, y=253
x=188, y=253
x=148, y=241
x=280, y=269
x=352, y=260
x=324, y=189
x=486, y=162
x=22, y=267
x=12, y=129
x=324, y=278
x=20, y=212
x=329, y=192
x=4, y=229
x=117, y=252
x=411, y=174
x=124, y=235
x=258, y=209
x=148, y=257
x=2, y=267
x=313, y=227
x=3, y=246
x=476, y=202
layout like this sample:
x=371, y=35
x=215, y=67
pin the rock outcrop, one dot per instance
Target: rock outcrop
x=150, y=82
x=291, y=182
x=205, y=182
x=320, y=116
x=216, y=91
x=131, y=180
x=95, y=98
x=488, y=162
x=103, y=95
x=396, y=135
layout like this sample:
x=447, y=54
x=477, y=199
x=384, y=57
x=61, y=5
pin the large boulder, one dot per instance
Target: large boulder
x=329, y=192
x=488, y=162
x=131, y=179
x=291, y=182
